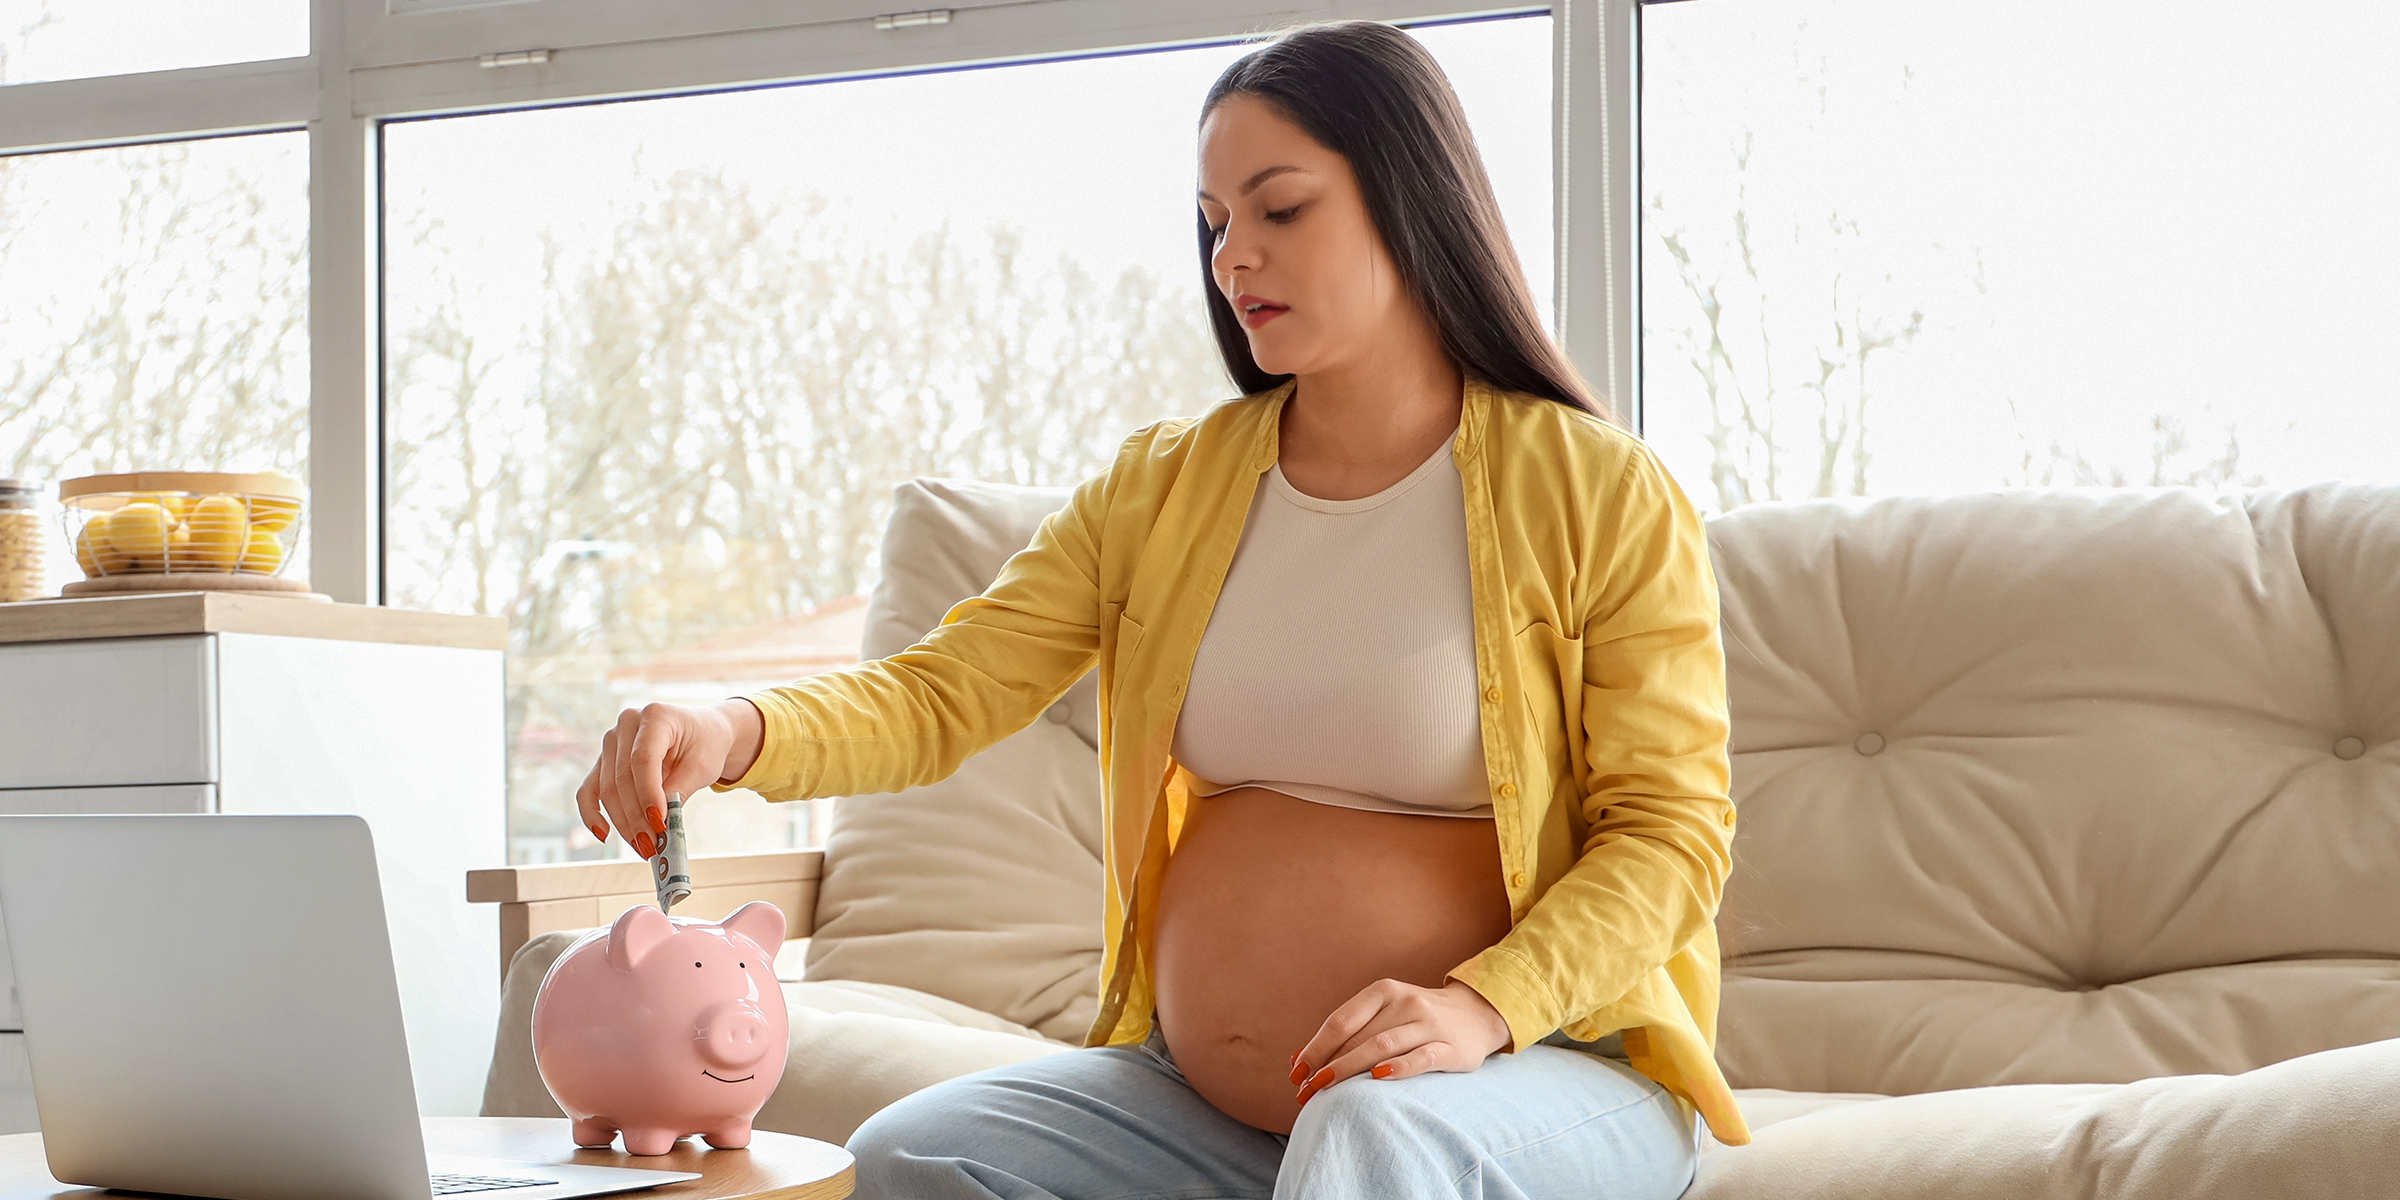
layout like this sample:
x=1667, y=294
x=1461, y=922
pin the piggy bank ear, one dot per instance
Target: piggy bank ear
x=759, y=921
x=638, y=931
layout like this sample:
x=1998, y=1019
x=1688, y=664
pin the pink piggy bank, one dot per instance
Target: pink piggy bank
x=662, y=1027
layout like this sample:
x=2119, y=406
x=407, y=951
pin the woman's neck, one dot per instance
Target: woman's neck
x=1355, y=430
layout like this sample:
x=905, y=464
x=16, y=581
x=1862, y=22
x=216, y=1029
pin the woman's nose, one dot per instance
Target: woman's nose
x=1235, y=252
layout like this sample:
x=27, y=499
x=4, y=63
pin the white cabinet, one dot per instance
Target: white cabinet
x=16, y=1086
x=89, y=714
x=218, y=703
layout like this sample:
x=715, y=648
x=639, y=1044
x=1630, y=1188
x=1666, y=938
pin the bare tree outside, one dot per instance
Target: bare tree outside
x=1784, y=321
x=153, y=307
x=703, y=427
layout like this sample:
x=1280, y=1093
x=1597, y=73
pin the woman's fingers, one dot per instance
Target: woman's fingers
x=1392, y=1030
x=656, y=735
x=587, y=801
x=1414, y=1062
x=653, y=750
x=619, y=798
x=1343, y=1026
x=1374, y=1047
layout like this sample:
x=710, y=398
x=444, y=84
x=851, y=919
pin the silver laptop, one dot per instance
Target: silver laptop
x=210, y=1010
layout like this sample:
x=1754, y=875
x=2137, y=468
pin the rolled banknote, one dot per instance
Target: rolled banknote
x=670, y=869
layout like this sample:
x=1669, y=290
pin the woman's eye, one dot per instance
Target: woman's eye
x=1285, y=215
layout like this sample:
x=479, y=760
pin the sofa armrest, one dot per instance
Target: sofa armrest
x=535, y=900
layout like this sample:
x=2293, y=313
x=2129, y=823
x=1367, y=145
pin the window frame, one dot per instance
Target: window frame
x=367, y=64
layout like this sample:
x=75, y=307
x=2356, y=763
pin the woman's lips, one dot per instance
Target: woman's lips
x=1257, y=310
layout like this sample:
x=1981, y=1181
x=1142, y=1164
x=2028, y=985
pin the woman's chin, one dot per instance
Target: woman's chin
x=1275, y=358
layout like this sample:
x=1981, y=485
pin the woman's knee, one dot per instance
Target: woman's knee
x=911, y=1127
x=1365, y=1107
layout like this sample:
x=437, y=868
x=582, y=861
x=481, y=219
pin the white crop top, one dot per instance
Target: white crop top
x=1339, y=664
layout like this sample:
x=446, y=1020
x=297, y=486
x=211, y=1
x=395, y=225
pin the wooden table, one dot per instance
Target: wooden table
x=777, y=1166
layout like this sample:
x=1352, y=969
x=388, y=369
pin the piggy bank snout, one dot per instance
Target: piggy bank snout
x=733, y=1034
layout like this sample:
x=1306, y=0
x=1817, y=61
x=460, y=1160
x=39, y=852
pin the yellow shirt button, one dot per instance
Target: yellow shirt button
x=1491, y=695
x=1508, y=791
x=1517, y=880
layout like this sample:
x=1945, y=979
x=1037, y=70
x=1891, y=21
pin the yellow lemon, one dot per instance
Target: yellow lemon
x=177, y=504
x=179, y=550
x=85, y=557
x=273, y=513
x=138, y=532
x=264, y=555
x=219, y=530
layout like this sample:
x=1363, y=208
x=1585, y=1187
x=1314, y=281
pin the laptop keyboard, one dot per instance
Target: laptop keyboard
x=451, y=1185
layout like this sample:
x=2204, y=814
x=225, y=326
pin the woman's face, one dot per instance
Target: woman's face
x=1293, y=234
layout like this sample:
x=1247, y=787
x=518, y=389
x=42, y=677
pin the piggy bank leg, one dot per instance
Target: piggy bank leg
x=732, y=1137
x=592, y=1131
x=650, y=1141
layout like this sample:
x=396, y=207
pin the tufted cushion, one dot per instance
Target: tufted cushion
x=2065, y=786
x=985, y=887
x=2315, y=1126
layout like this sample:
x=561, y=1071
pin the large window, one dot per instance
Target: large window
x=654, y=367
x=153, y=312
x=77, y=39
x=1898, y=247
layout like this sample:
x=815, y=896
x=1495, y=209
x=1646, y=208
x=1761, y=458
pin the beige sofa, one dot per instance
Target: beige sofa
x=2069, y=862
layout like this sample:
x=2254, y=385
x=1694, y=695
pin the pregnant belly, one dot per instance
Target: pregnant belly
x=1277, y=910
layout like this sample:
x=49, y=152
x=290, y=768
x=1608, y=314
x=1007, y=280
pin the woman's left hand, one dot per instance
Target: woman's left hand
x=1398, y=1030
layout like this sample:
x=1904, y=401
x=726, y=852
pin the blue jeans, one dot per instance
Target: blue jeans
x=1554, y=1121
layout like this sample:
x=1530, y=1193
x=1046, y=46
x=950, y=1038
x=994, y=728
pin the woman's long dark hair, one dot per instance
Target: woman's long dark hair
x=1372, y=94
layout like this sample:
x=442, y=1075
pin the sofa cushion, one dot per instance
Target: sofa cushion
x=945, y=542
x=2051, y=787
x=983, y=888
x=854, y=1047
x=2318, y=1125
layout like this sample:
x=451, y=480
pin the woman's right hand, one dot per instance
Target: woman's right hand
x=661, y=748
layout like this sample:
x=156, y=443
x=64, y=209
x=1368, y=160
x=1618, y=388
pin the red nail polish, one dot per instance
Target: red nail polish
x=1382, y=1071
x=658, y=820
x=641, y=845
x=1322, y=1078
x=598, y=834
x=1299, y=1071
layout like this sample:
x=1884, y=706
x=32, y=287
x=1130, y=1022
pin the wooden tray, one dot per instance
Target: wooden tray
x=192, y=581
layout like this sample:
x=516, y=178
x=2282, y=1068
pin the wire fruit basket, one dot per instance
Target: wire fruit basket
x=181, y=531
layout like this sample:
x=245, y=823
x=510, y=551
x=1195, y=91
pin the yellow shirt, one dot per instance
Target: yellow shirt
x=1604, y=721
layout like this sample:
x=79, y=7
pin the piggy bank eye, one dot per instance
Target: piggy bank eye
x=695, y=964
x=744, y=966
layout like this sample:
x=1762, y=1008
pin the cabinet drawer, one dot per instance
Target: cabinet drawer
x=115, y=712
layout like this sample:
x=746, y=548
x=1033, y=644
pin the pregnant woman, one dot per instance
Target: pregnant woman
x=1413, y=721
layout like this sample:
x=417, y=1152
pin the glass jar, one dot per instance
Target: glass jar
x=20, y=541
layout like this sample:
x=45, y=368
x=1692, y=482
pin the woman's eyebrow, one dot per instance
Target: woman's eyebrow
x=1255, y=180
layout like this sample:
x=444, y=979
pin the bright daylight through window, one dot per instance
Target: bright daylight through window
x=655, y=367
x=1891, y=247
x=43, y=40
x=154, y=310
